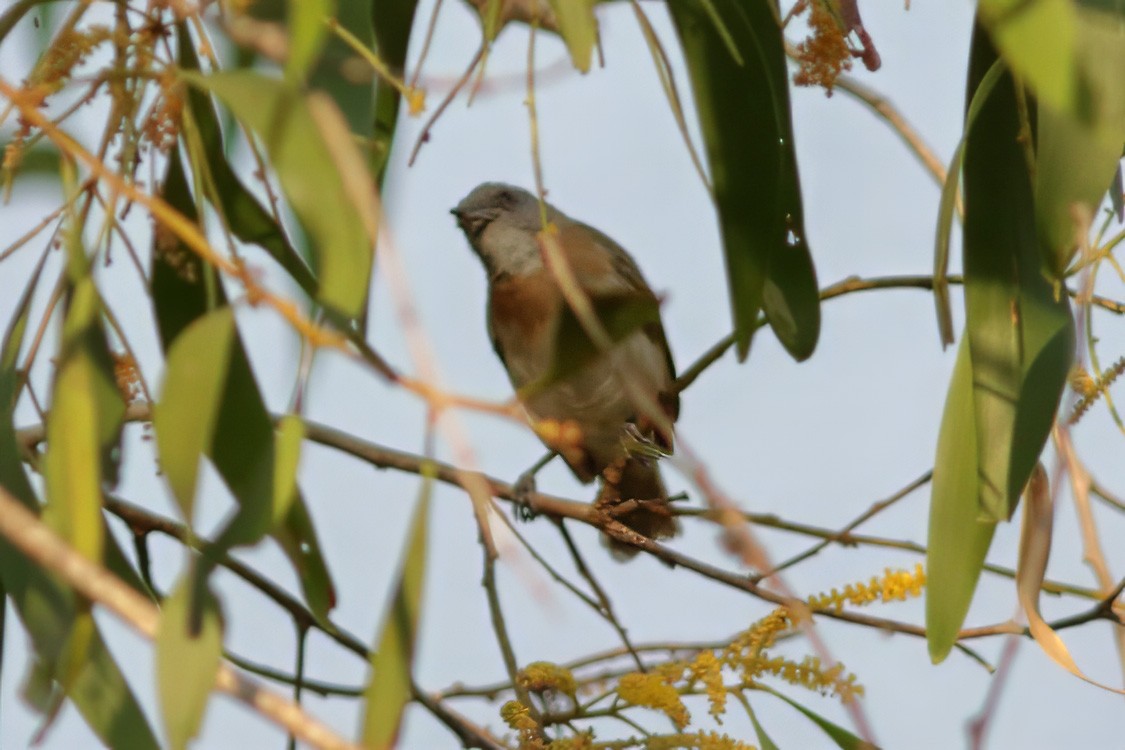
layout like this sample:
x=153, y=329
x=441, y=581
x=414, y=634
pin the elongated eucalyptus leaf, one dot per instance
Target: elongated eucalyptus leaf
x=958, y=537
x=840, y=736
x=791, y=300
x=1079, y=148
x=44, y=607
x=187, y=660
x=307, y=31
x=1037, y=41
x=310, y=168
x=764, y=741
x=392, y=20
x=336, y=69
x=1019, y=325
x=949, y=203
x=83, y=426
x=392, y=661
x=743, y=106
x=186, y=416
x=242, y=447
x=248, y=220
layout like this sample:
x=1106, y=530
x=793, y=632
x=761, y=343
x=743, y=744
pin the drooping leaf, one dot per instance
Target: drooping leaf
x=1079, y=148
x=297, y=538
x=949, y=202
x=764, y=741
x=242, y=450
x=311, y=162
x=392, y=661
x=1019, y=324
x=44, y=607
x=743, y=106
x=307, y=31
x=842, y=737
x=334, y=71
x=791, y=298
x=290, y=434
x=392, y=20
x=1037, y=41
x=187, y=660
x=248, y=220
x=579, y=29
x=187, y=413
x=1035, y=551
x=83, y=426
x=958, y=538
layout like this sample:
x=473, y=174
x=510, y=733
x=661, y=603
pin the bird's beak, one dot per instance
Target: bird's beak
x=472, y=223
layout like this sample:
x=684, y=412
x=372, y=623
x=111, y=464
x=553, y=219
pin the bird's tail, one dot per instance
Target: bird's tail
x=637, y=479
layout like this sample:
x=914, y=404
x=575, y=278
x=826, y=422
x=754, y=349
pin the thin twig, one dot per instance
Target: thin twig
x=606, y=606
x=876, y=508
x=45, y=548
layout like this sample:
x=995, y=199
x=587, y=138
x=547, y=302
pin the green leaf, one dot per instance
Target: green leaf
x=187, y=414
x=12, y=475
x=1019, y=325
x=764, y=741
x=1079, y=148
x=355, y=98
x=108, y=705
x=842, y=737
x=248, y=220
x=44, y=607
x=83, y=426
x=307, y=31
x=290, y=434
x=743, y=107
x=958, y=538
x=1036, y=38
x=791, y=299
x=949, y=202
x=243, y=450
x=297, y=538
x=393, y=659
x=314, y=165
x=352, y=94
x=186, y=661
x=392, y=24
x=579, y=29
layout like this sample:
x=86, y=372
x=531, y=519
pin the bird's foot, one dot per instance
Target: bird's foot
x=522, y=492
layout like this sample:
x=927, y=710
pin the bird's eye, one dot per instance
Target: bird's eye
x=505, y=198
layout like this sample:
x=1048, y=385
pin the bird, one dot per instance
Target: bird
x=612, y=415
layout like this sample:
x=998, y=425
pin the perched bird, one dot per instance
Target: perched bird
x=591, y=416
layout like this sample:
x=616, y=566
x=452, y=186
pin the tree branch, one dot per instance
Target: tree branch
x=45, y=548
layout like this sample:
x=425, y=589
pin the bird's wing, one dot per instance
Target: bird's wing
x=604, y=267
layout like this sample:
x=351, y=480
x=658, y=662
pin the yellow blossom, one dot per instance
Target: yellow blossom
x=653, y=691
x=542, y=676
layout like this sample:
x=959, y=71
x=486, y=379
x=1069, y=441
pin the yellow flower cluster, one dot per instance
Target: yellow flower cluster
x=810, y=674
x=543, y=676
x=518, y=717
x=895, y=585
x=654, y=690
x=708, y=670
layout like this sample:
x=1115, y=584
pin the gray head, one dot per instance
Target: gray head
x=500, y=222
